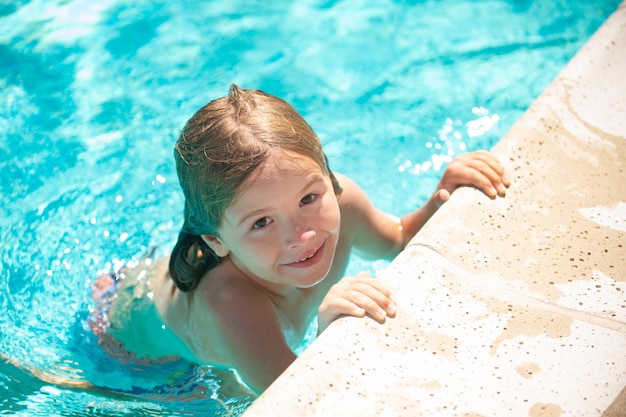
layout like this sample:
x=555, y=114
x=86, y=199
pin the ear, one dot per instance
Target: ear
x=216, y=245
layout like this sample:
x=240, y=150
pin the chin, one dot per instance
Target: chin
x=310, y=284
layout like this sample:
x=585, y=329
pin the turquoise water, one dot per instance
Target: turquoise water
x=93, y=95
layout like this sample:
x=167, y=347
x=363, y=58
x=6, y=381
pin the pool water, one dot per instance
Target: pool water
x=93, y=95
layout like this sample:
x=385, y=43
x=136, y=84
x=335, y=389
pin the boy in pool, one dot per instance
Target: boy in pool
x=268, y=229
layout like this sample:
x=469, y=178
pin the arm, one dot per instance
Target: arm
x=380, y=235
x=377, y=234
x=479, y=169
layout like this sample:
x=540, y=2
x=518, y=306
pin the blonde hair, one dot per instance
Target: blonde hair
x=218, y=149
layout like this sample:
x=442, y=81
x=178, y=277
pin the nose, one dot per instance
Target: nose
x=299, y=235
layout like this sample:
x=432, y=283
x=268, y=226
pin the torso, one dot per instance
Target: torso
x=296, y=310
x=178, y=313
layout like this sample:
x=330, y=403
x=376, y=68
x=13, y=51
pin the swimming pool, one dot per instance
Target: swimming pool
x=93, y=96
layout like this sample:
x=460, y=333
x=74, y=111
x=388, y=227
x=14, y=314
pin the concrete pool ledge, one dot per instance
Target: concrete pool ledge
x=507, y=307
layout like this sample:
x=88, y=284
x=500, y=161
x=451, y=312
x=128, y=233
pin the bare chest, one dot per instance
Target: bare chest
x=299, y=309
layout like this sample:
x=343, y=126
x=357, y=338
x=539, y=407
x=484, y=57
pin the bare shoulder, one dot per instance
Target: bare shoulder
x=226, y=299
x=223, y=311
x=372, y=232
x=224, y=287
x=354, y=204
x=352, y=198
x=241, y=324
x=350, y=189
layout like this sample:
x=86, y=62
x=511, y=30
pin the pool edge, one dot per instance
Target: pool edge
x=533, y=284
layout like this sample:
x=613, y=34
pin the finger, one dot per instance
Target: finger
x=470, y=174
x=494, y=163
x=374, y=288
x=377, y=303
x=340, y=306
x=366, y=278
x=362, y=285
x=441, y=196
x=371, y=307
x=494, y=180
x=488, y=158
x=486, y=178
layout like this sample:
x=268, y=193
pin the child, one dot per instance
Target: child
x=268, y=229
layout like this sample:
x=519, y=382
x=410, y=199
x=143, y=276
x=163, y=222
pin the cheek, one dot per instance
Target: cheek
x=330, y=212
x=256, y=250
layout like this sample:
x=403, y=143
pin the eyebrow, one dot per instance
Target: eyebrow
x=316, y=178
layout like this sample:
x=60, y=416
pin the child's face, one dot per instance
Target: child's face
x=283, y=227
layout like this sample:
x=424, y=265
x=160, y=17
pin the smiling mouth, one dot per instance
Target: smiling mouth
x=307, y=258
x=311, y=259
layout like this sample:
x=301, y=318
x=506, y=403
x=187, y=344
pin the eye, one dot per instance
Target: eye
x=308, y=199
x=261, y=223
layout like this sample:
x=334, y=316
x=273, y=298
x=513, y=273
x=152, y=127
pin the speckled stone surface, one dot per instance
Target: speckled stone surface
x=507, y=307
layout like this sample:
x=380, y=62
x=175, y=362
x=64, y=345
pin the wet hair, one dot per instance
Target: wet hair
x=222, y=144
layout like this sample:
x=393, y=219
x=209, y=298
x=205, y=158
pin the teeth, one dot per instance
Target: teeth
x=304, y=259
